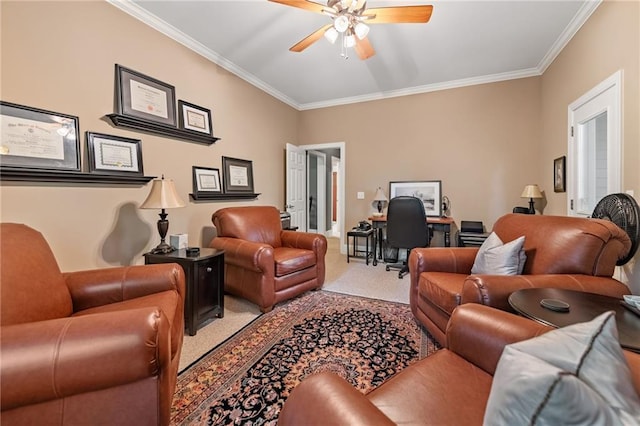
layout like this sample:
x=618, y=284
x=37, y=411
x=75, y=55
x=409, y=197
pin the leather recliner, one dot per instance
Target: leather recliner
x=264, y=263
x=562, y=252
x=450, y=387
x=97, y=347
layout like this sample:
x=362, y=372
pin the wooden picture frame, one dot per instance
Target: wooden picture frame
x=114, y=155
x=195, y=118
x=141, y=96
x=559, y=174
x=429, y=191
x=206, y=180
x=237, y=175
x=33, y=138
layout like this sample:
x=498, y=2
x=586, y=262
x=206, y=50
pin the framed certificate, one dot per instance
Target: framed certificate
x=237, y=175
x=38, y=139
x=140, y=96
x=206, y=181
x=193, y=117
x=114, y=155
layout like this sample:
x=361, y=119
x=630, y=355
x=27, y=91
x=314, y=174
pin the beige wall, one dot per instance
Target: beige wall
x=60, y=56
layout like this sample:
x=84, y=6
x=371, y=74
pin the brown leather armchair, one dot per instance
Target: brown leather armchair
x=263, y=263
x=450, y=387
x=88, y=347
x=562, y=252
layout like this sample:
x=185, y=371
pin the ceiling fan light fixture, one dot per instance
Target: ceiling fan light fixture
x=341, y=23
x=349, y=40
x=361, y=30
x=331, y=35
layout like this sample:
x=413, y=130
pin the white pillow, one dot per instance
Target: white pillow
x=496, y=258
x=574, y=375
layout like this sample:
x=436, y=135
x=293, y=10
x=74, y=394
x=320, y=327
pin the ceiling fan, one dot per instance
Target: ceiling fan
x=350, y=19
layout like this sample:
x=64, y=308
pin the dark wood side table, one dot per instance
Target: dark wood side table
x=370, y=248
x=204, y=283
x=582, y=307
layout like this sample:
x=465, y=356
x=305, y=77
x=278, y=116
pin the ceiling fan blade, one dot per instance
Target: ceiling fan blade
x=309, y=40
x=364, y=49
x=399, y=14
x=302, y=4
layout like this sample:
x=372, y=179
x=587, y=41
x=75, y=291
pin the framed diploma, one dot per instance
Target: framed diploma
x=140, y=96
x=193, y=117
x=237, y=175
x=114, y=155
x=38, y=139
x=206, y=181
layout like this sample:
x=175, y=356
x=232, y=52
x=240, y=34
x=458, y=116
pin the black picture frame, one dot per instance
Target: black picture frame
x=559, y=174
x=141, y=96
x=237, y=175
x=194, y=118
x=429, y=191
x=206, y=180
x=33, y=138
x=114, y=155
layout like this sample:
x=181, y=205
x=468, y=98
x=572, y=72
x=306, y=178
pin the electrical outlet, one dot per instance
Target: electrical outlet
x=629, y=192
x=360, y=195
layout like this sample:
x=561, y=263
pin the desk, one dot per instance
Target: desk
x=583, y=307
x=442, y=224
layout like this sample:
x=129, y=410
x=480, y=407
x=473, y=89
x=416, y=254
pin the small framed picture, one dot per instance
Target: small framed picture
x=140, y=96
x=559, y=178
x=32, y=138
x=193, y=117
x=206, y=180
x=237, y=175
x=114, y=155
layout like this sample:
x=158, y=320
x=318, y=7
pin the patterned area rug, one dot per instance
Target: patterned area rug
x=246, y=379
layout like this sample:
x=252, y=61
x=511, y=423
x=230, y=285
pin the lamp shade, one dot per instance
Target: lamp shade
x=531, y=191
x=163, y=195
x=380, y=196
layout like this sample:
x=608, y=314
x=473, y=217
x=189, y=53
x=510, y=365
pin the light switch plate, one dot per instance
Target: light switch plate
x=360, y=195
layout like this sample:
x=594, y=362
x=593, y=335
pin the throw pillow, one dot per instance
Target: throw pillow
x=574, y=375
x=496, y=258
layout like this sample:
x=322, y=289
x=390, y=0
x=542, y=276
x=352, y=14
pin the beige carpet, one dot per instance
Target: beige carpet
x=353, y=278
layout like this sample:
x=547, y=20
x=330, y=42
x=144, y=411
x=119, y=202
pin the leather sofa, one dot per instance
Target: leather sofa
x=98, y=347
x=264, y=263
x=562, y=252
x=450, y=387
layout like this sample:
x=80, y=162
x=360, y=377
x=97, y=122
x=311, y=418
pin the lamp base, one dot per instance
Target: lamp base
x=162, y=248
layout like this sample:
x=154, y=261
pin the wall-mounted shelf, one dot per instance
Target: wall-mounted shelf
x=134, y=123
x=223, y=197
x=30, y=175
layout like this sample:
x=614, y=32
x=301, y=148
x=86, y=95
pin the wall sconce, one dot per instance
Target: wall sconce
x=379, y=201
x=531, y=192
x=163, y=195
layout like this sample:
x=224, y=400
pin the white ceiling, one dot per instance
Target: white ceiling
x=464, y=43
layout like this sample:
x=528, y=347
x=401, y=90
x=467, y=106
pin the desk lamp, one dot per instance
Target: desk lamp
x=163, y=195
x=531, y=192
x=379, y=201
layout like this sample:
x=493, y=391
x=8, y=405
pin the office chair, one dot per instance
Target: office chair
x=406, y=227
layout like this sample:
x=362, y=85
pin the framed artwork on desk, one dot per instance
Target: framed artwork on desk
x=429, y=191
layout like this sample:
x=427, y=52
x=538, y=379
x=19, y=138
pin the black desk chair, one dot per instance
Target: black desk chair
x=406, y=227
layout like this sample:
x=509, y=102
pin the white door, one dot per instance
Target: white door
x=317, y=191
x=594, y=166
x=296, y=174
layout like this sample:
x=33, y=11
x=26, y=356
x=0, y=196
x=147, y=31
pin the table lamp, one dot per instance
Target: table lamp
x=379, y=201
x=163, y=195
x=531, y=192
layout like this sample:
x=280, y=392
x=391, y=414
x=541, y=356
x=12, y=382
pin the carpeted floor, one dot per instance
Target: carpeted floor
x=247, y=379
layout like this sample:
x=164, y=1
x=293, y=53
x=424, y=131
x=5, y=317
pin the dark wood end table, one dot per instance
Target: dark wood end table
x=204, y=276
x=583, y=307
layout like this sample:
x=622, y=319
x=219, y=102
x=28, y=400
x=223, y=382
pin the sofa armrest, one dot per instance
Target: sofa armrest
x=100, y=287
x=457, y=260
x=305, y=240
x=494, y=290
x=58, y=358
x=257, y=257
x=326, y=399
x=479, y=333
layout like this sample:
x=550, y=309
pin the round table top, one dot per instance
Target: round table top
x=583, y=307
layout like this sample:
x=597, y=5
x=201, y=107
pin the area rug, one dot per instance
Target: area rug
x=246, y=379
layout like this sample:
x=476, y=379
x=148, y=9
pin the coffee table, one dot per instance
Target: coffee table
x=582, y=307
